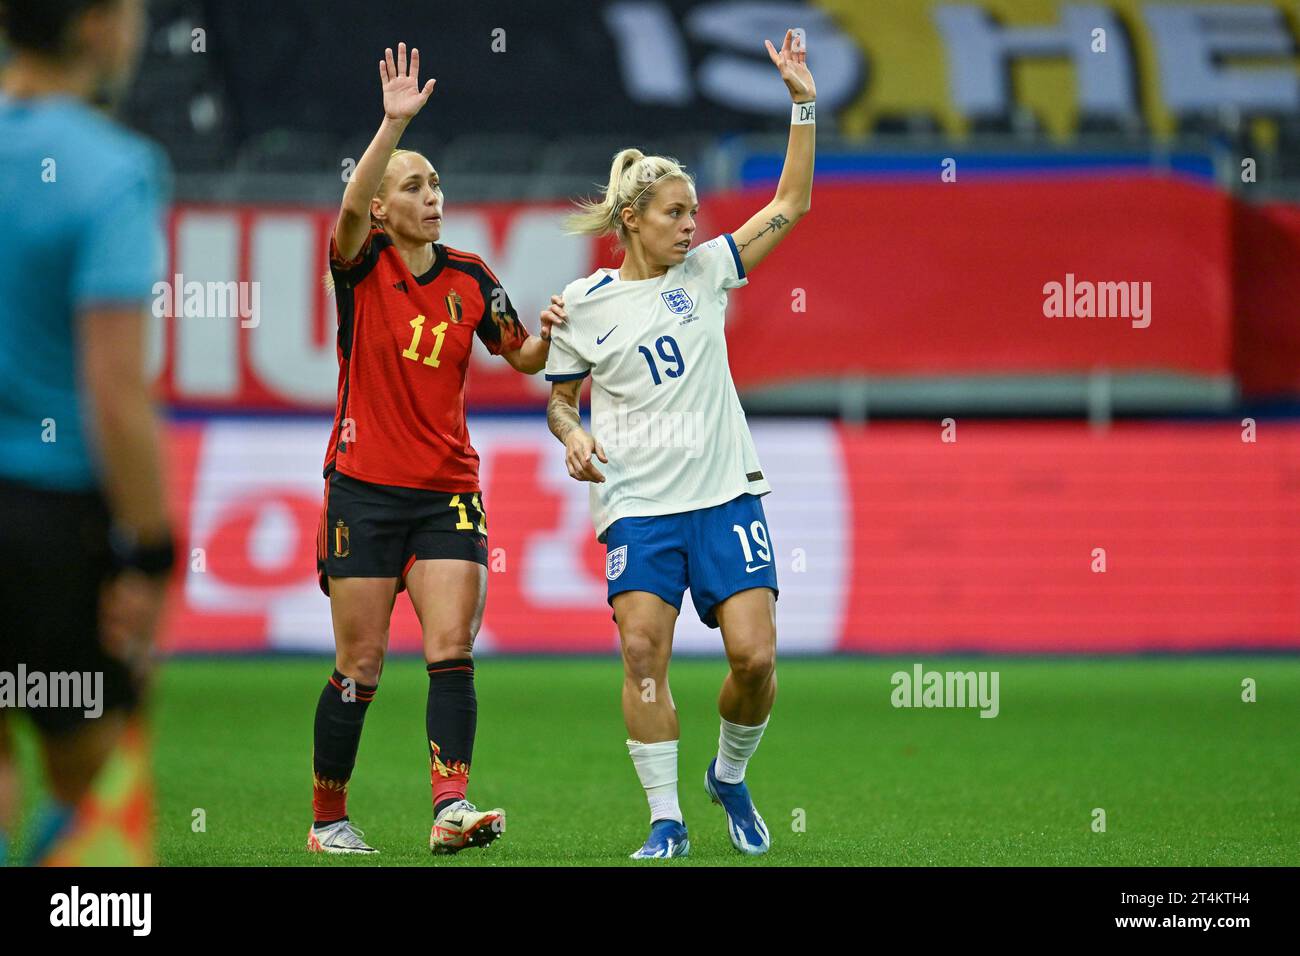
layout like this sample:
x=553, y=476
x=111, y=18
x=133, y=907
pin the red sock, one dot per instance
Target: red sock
x=329, y=799
x=448, y=782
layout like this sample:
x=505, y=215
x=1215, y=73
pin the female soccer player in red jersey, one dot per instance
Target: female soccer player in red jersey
x=402, y=502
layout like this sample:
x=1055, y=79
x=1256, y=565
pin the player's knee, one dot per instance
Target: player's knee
x=753, y=667
x=364, y=663
x=449, y=643
x=365, y=671
x=642, y=656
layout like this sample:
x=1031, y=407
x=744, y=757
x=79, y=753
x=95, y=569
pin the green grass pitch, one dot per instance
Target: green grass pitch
x=1186, y=772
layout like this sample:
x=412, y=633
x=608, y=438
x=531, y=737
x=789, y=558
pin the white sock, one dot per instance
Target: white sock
x=656, y=765
x=736, y=744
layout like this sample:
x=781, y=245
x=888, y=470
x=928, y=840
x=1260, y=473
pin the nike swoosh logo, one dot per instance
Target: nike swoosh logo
x=605, y=336
x=749, y=570
x=605, y=281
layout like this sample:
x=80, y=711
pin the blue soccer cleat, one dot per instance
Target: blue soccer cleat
x=747, y=830
x=667, y=839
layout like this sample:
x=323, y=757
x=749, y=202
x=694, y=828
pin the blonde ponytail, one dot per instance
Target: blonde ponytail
x=633, y=178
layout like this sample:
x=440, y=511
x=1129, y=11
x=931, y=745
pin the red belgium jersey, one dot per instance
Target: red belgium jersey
x=403, y=347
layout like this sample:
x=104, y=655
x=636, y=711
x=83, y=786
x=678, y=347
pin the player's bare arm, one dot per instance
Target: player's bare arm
x=771, y=224
x=530, y=358
x=565, y=421
x=403, y=99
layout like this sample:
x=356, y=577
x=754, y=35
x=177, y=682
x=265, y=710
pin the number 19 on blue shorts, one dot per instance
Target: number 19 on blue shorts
x=716, y=552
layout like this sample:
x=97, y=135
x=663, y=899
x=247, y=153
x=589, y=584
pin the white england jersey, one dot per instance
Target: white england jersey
x=663, y=405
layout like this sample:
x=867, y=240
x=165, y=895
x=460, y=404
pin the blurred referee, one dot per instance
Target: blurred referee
x=85, y=545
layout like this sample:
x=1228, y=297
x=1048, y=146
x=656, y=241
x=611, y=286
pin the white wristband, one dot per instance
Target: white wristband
x=804, y=114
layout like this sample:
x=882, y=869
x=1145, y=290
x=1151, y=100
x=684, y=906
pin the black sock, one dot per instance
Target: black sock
x=340, y=714
x=450, y=718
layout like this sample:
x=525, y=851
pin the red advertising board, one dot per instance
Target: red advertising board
x=1023, y=538
x=880, y=279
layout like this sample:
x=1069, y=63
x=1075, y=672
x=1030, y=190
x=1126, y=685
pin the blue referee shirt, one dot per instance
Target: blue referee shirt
x=81, y=203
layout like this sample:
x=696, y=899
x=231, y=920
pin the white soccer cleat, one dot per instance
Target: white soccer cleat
x=462, y=825
x=340, y=837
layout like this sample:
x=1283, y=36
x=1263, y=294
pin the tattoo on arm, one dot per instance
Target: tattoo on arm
x=773, y=224
x=562, y=414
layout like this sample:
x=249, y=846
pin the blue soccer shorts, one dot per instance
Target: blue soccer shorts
x=715, y=552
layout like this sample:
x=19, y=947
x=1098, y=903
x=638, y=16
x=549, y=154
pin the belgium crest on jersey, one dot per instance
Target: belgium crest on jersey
x=678, y=301
x=455, y=308
x=615, y=562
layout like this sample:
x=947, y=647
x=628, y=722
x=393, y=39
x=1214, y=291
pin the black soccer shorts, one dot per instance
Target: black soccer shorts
x=369, y=530
x=54, y=559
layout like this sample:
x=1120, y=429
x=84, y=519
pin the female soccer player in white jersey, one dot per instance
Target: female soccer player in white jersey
x=677, y=503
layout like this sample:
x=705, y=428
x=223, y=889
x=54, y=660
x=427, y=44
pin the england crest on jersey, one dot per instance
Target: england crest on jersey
x=678, y=301
x=615, y=562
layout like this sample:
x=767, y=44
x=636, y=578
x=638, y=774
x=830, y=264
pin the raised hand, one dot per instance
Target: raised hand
x=794, y=70
x=403, y=97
